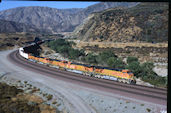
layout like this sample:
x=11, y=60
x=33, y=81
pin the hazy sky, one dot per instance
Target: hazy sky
x=53, y=4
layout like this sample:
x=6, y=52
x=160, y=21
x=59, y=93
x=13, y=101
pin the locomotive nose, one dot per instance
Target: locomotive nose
x=131, y=75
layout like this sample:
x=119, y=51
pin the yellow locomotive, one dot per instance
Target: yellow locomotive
x=121, y=75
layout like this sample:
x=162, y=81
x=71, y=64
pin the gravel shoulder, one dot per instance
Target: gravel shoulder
x=73, y=98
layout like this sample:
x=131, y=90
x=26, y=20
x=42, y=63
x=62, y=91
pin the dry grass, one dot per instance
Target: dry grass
x=9, y=40
x=30, y=97
x=81, y=44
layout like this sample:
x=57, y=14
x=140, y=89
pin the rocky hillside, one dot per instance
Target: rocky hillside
x=146, y=22
x=55, y=20
x=11, y=27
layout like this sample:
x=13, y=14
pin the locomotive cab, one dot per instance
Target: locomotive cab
x=130, y=76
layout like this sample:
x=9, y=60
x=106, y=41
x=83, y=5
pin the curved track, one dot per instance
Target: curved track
x=149, y=94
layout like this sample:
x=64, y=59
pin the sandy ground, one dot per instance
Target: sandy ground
x=73, y=98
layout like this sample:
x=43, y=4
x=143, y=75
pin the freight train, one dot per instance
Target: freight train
x=121, y=75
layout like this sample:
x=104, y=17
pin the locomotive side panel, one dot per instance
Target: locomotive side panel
x=80, y=68
x=89, y=69
x=61, y=64
x=54, y=62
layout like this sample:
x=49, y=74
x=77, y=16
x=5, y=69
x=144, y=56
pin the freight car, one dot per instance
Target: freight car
x=121, y=75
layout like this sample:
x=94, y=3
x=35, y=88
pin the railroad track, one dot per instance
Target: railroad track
x=150, y=94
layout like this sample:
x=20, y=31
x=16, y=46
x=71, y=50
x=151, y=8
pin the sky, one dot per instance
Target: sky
x=4, y=4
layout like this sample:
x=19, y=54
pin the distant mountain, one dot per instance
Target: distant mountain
x=12, y=27
x=56, y=20
x=144, y=22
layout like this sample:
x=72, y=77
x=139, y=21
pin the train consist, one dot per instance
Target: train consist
x=124, y=75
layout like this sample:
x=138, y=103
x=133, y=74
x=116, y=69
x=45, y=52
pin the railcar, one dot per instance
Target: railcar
x=22, y=53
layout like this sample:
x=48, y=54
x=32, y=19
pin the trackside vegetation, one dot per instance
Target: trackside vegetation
x=65, y=48
x=145, y=72
x=109, y=59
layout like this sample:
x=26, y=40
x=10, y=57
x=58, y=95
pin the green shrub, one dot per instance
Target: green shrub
x=146, y=73
x=148, y=66
x=104, y=56
x=157, y=80
x=54, y=102
x=131, y=59
x=113, y=62
x=65, y=48
x=90, y=58
x=135, y=68
x=49, y=97
x=74, y=54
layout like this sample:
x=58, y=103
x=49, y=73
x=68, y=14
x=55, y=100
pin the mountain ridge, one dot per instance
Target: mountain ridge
x=55, y=20
x=12, y=27
x=145, y=22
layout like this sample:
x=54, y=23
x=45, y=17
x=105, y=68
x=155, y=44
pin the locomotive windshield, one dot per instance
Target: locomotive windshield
x=129, y=72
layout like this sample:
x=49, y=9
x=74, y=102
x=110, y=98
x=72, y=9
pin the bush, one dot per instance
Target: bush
x=54, y=102
x=113, y=62
x=90, y=58
x=135, y=68
x=156, y=80
x=131, y=59
x=146, y=73
x=49, y=97
x=148, y=66
x=104, y=56
x=74, y=54
x=65, y=48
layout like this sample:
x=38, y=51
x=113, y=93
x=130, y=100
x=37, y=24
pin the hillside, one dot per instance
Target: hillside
x=147, y=22
x=55, y=20
x=12, y=27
